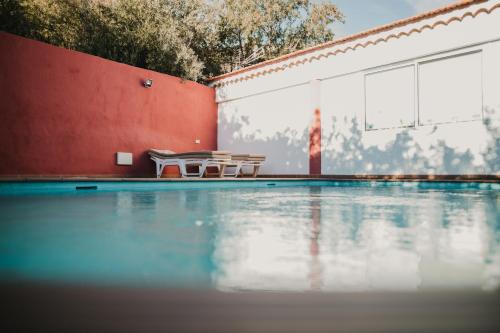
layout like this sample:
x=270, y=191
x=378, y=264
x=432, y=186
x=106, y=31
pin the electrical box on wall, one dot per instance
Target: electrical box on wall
x=123, y=158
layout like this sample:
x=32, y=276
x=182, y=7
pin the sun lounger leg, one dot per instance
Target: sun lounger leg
x=159, y=168
x=222, y=170
x=238, y=170
x=255, y=170
x=182, y=168
x=203, y=168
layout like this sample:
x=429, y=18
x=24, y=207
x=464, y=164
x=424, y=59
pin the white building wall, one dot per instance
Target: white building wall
x=260, y=124
x=271, y=113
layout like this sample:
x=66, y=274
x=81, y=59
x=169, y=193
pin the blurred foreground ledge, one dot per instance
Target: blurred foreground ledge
x=52, y=308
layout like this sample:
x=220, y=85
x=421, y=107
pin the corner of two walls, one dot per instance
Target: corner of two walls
x=68, y=113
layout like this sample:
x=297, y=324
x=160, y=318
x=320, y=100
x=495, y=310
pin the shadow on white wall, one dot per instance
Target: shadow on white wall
x=349, y=153
x=286, y=149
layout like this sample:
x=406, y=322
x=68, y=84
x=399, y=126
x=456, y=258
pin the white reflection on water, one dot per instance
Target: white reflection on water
x=351, y=238
x=356, y=239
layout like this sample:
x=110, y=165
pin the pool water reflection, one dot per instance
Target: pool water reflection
x=321, y=238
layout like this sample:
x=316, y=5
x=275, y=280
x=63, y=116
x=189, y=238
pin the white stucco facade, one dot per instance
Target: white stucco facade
x=420, y=98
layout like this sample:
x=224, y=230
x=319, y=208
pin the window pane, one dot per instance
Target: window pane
x=390, y=98
x=450, y=89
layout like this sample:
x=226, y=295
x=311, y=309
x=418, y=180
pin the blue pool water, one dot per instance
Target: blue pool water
x=320, y=235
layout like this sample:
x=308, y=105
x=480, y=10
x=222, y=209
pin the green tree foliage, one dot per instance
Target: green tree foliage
x=193, y=39
x=275, y=27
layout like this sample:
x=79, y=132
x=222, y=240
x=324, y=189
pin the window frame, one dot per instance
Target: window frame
x=415, y=96
x=416, y=62
x=441, y=57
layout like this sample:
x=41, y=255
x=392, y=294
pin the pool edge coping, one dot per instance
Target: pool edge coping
x=375, y=178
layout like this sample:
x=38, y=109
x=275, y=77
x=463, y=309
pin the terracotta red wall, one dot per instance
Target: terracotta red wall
x=68, y=113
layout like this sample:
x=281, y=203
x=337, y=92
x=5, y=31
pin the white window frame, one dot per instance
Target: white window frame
x=444, y=56
x=415, y=96
x=416, y=64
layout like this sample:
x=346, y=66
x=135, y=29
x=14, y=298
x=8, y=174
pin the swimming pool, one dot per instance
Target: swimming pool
x=257, y=235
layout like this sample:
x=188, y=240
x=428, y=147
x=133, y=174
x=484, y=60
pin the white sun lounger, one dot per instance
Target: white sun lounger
x=238, y=161
x=200, y=159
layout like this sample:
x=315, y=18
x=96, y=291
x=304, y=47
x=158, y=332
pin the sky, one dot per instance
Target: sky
x=362, y=15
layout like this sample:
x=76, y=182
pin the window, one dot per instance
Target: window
x=390, y=98
x=450, y=89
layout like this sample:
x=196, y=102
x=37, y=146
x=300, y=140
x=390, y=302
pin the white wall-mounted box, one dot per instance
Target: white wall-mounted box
x=123, y=158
